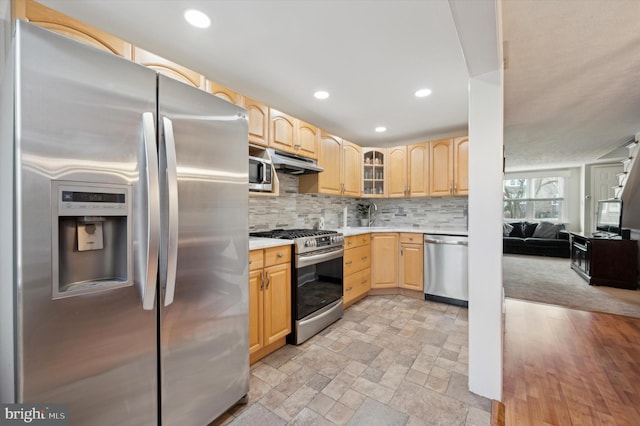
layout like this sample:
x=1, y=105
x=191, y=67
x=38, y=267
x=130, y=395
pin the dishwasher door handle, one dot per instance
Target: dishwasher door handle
x=458, y=242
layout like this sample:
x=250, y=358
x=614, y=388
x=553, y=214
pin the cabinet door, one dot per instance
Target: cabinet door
x=62, y=24
x=384, y=260
x=258, y=121
x=282, y=130
x=330, y=159
x=461, y=162
x=351, y=169
x=168, y=68
x=224, y=93
x=256, y=303
x=418, y=170
x=397, y=170
x=277, y=302
x=308, y=136
x=412, y=266
x=441, y=167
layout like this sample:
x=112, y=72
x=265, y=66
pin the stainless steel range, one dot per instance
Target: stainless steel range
x=316, y=293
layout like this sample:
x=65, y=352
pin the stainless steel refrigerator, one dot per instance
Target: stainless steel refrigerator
x=125, y=219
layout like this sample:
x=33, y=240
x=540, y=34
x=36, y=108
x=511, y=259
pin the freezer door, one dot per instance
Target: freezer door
x=204, y=255
x=79, y=118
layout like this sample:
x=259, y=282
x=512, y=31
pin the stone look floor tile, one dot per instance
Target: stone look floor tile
x=321, y=404
x=389, y=360
x=269, y=374
x=340, y=414
x=352, y=399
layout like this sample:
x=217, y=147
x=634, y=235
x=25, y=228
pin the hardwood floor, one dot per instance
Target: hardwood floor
x=569, y=367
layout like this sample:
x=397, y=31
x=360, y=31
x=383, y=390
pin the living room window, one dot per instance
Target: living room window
x=537, y=198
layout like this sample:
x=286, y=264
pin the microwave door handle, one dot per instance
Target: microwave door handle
x=148, y=284
x=172, y=198
x=261, y=174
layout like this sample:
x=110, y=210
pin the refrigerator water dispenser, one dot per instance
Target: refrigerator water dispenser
x=91, y=238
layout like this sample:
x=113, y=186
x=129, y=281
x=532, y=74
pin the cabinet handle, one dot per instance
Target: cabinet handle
x=250, y=261
x=348, y=262
x=451, y=188
x=280, y=255
x=363, y=258
x=261, y=280
x=410, y=238
x=349, y=242
x=363, y=282
x=297, y=145
x=401, y=252
x=268, y=280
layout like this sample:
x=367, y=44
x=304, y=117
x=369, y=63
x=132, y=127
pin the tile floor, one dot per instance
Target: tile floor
x=391, y=360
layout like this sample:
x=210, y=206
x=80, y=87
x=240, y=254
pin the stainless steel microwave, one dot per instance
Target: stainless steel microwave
x=260, y=174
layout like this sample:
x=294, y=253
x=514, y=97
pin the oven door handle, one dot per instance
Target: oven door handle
x=302, y=261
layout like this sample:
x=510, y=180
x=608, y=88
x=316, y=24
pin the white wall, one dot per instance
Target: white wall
x=485, y=238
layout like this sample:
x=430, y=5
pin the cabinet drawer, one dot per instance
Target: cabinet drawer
x=411, y=238
x=356, y=285
x=277, y=255
x=356, y=241
x=256, y=259
x=357, y=259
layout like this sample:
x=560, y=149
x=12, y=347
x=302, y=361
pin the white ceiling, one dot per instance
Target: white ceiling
x=571, y=83
x=370, y=55
x=572, y=80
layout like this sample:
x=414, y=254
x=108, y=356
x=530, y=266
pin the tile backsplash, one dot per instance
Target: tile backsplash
x=294, y=210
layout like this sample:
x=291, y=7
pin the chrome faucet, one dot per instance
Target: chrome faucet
x=375, y=209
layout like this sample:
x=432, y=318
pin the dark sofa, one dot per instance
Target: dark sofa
x=540, y=239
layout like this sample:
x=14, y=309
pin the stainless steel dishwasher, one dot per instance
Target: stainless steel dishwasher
x=445, y=269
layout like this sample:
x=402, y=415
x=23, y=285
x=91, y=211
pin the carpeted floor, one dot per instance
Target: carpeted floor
x=551, y=280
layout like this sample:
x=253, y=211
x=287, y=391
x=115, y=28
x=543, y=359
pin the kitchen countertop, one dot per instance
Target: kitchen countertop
x=435, y=231
x=257, y=243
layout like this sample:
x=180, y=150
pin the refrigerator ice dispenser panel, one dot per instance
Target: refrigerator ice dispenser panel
x=91, y=238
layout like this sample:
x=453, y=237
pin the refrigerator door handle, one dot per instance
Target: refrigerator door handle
x=172, y=197
x=153, y=210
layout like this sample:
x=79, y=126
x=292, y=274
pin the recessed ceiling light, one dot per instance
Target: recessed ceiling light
x=321, y=94
x=197, y=19
x=422, y=93
x=381, y=129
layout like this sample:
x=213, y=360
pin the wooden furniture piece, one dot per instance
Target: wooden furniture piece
x=611, y=262
x=289, y=134
x=409, y=171
x=384, y=260
x=269, y=300
x=356, y=268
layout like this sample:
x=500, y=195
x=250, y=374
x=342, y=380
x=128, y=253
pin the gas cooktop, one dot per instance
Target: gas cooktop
x=291, y=234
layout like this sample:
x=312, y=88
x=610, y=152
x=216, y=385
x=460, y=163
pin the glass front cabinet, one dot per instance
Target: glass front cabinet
x=374, y=173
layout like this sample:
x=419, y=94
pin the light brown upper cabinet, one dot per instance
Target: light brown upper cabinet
x=168, y=68
x=62, y=24
x=340, y=160
x=307, y=143
x=350, y=169
x=289, y=134
x=375, y=166
x=449, y=167
x=409, y=170
x=397, y=186
x=258, y=121
x=461, y=161
x=223, y=92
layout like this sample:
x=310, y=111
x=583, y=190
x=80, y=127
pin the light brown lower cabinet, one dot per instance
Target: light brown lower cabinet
x=384, y=260
x=356, y=268
x=411, y=261
x=269, y=300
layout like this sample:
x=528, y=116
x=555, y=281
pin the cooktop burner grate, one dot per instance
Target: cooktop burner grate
x=291, y=234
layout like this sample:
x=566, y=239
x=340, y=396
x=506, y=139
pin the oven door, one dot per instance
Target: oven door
x=317, y=281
